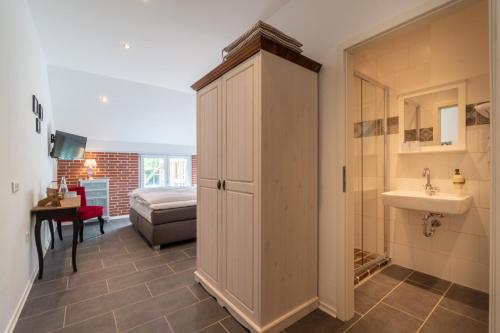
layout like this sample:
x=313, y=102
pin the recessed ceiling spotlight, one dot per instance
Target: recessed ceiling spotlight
x=126, y=45
x=104, y=99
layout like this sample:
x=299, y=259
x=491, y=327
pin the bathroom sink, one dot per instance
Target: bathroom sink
x=437, y=203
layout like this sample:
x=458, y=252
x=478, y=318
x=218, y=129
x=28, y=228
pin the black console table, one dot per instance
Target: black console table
x=69, y=208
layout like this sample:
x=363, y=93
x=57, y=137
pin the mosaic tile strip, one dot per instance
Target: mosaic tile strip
x=426, y=134
x=393, y=125
x=369, y=128
x=411, y=135
x=475, y=114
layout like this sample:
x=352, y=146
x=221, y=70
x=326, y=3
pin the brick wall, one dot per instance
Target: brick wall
x=122, y=169
x=194, y=169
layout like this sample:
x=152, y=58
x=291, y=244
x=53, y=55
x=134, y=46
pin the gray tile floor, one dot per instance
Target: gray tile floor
x=401, y=300
x=123, y=285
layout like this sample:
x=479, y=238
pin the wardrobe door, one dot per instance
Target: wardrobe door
x=240, y=172
x=209, y=113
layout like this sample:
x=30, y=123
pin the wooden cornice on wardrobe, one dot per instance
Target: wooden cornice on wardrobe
x=255, y=45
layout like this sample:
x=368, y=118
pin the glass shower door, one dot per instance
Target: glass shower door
x=369, y=101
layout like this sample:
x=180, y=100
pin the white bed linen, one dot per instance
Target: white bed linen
x=144, y=201
x=164, y=195
x=141, y=209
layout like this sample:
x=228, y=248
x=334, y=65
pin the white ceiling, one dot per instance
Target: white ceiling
x=134, y=112
x=174, y=42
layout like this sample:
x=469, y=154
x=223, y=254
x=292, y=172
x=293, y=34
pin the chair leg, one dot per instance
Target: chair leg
x=81, y=231
x=101, y=224
x=59, y=230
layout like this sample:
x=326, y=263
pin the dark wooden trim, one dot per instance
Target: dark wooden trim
x=50, y=215
x=255, y=45
x=290, y=55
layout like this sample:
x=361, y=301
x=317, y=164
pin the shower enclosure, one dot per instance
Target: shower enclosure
x=370, y=102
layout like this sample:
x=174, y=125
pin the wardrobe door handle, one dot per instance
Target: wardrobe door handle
x=224, y=184
x=218, y=184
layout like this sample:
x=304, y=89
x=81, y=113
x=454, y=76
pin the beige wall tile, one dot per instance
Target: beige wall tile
x=474, y=166
x=432, y=263
x=403, y=234
x=484, y=250
x=478, y=138
x=398, y=215
x=419, y=240
x=472, y=139
x=369, y=234
x=437, y=163
x=402, y=255
x=476, y=221
x=478, y=88
x=470, y=274
x=420, y=54
x=393, y=100
x=484, y=138
x=484, y=194
x=393, y=62
x=412, y=79
x=456, y=244
x=412, y=35
x=471, y=187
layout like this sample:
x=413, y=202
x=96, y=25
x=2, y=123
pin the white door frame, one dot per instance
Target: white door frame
x=344, y=202
x=495, y=165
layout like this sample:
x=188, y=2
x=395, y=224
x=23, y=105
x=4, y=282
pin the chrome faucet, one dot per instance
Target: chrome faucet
x=429, y=189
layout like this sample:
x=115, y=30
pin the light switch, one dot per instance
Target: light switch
x=15, y=186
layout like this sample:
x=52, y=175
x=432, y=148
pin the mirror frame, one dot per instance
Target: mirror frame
x=461, y=102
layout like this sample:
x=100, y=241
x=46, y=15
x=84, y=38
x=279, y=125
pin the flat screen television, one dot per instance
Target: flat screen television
x=68, y=146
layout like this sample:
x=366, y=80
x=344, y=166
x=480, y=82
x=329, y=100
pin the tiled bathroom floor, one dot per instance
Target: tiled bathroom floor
x=124, y=286
x=401, y=300
x=398, y=300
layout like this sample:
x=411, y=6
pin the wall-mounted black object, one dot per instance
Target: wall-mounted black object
x=68, y=146
x=38, y=125
x=40, y=112
x=34, y=107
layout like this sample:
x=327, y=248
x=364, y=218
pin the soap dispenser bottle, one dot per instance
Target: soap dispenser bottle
x=458, y=182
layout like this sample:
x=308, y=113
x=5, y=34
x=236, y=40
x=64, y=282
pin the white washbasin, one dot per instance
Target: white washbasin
x=437, y=203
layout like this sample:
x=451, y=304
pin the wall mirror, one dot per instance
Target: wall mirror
x=433, y=120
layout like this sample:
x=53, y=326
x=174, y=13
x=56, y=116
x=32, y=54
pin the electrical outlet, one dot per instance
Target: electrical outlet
x=14, y=186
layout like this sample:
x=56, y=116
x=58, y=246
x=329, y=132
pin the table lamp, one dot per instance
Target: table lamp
x=90, y=164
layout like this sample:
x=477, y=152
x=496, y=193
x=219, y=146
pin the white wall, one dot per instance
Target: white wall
x=137, y=117
x=322, y=26
x=24, y=152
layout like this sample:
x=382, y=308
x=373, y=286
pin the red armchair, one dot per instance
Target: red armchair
x=85, y=212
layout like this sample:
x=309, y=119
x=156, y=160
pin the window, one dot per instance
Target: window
x=449, y=125
x=159, y=170
x=177, y=175
x=153, y=171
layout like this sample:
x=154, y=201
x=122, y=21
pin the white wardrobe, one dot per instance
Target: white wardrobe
x=258, y=190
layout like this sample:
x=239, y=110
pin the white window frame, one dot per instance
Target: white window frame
x=189, y=168
x=166, y=163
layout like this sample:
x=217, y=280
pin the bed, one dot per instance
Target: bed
x=164, y=215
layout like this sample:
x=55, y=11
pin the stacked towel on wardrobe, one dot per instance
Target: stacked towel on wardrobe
x=262, y=29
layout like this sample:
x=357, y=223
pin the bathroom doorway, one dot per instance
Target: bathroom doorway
x=369, y=172
x=425, y=55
